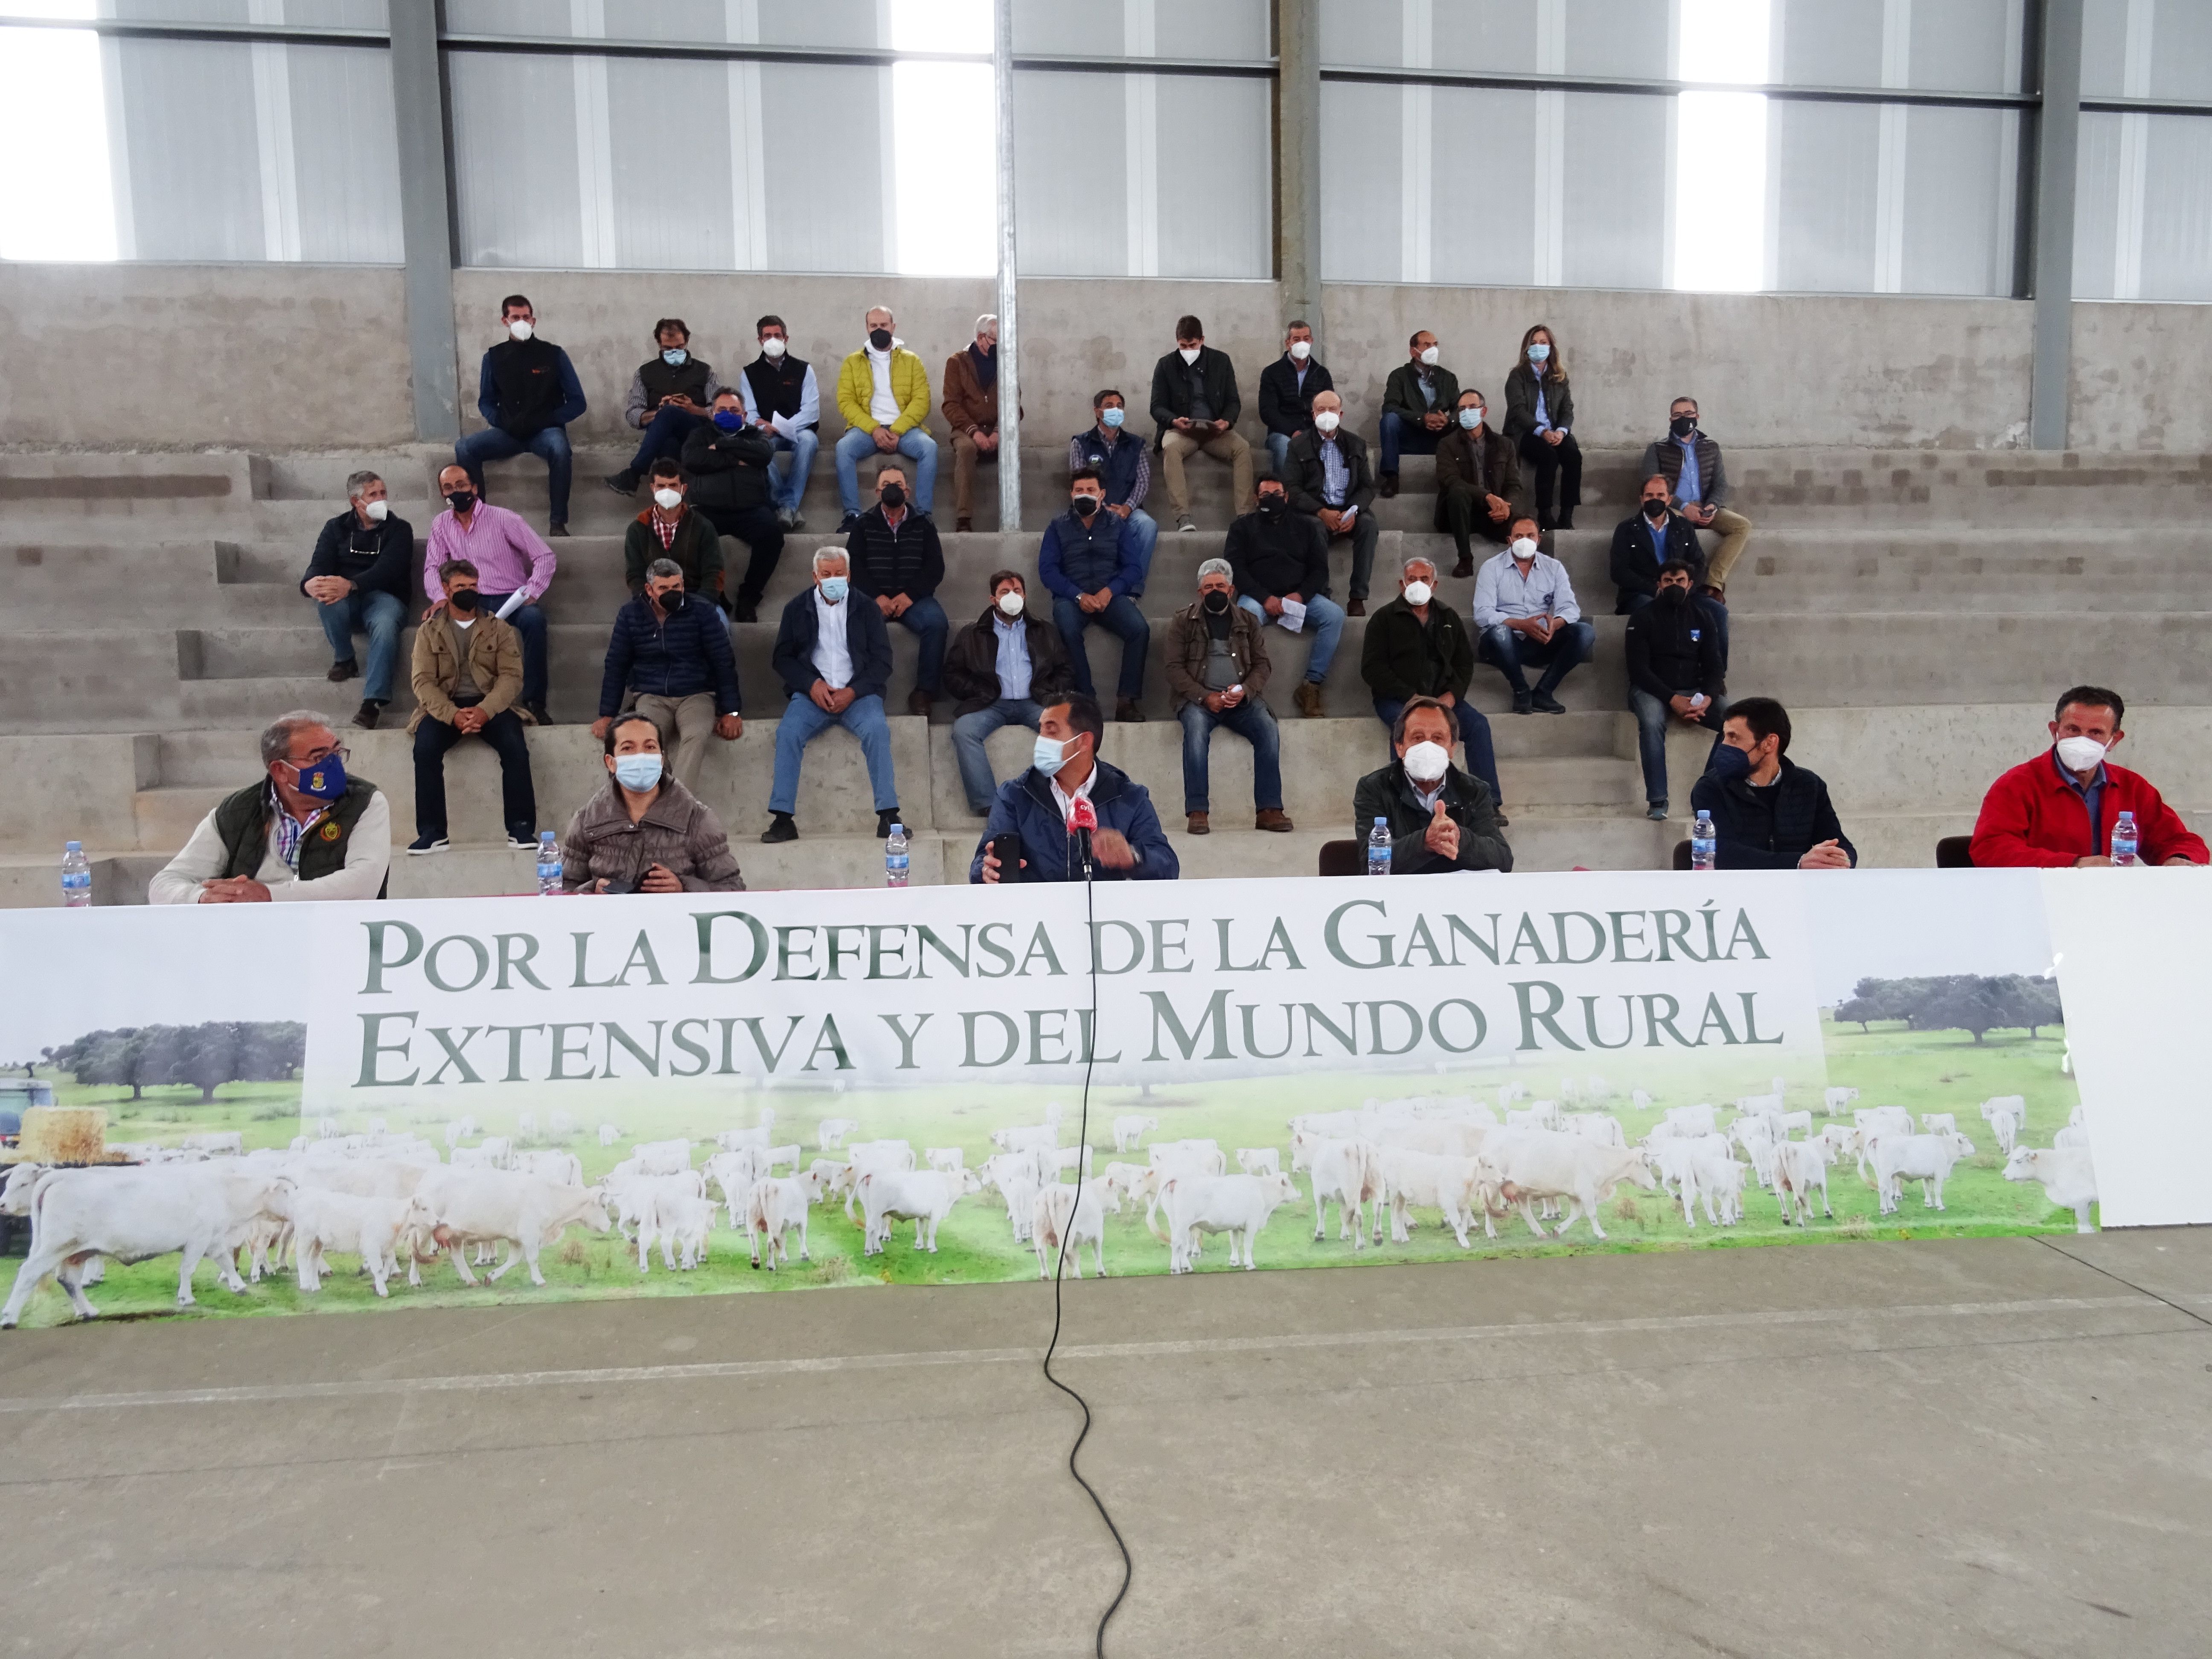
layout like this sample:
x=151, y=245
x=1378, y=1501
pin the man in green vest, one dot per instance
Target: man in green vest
x=307, y=830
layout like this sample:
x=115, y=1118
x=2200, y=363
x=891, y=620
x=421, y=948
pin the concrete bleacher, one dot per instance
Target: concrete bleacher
x=1915, y=609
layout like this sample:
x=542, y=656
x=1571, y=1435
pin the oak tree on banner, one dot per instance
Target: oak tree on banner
x=204, y=1056
x=1975, y=1003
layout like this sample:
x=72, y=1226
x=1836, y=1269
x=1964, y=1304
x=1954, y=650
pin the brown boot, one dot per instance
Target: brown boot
x=1355, y=607
x=1308, y=698
x=1197, y=824
x=1127, y=709
x=1272, y=818
x=1464, y=568
x=918, y=702
x=962, y=526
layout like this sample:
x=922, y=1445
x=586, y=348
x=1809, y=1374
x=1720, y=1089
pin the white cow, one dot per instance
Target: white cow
x=953, y=1158
x=829, y=1134
x=565, y=1168
x=2068, y=1176
x=458, y=1131
x=787, y=1154
x=1445, y=1137
x=1259, y=1160
x=324, y=1220
x=1874, y=1120
x=865, y=1157
x=1129, y=1132
x=2007, y=1115
x=215, y=1143
x=1163, y=1152
x=475, y=1157
x=1058, y=1220
x=609, y=1134
x=1754, y=1132
x=1799, y=1167
x=774, y=1209
x=527, y=1124
x=1927, y=1160
x=1237, y=1205
x=1639, y=1101
x=1119, y=1182
x=1702, y=1169
x=1026, y=1137
x=1601, y=1126
x=631, y=1192
x=1534, y=1163
x=736, y=1173
x=1688, y=1121
x=1453, y=1185
x=1834, y=1100
x=679, y=1219
x=1053, y=1161
x=924, y=1197
x=1344, y=1171
x=659, y=1157
x=1933, y=1123
x=1509, y=1093
x=1335, y=1125
x=500, y=1149
x=2072, y=1135
x=491, y=1206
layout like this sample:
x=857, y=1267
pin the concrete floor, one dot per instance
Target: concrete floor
x=1971, y=1448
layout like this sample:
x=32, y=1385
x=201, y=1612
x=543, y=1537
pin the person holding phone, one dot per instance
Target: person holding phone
x=1037, y=815
x=645, y=832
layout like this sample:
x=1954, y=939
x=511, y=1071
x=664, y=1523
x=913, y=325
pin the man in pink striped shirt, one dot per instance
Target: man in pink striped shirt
x=513, y=565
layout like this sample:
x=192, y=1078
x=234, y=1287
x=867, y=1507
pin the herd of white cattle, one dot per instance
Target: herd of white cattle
x=391, y=1197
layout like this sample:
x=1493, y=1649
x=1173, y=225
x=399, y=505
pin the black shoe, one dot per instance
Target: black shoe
x=346, y=670
x=1546, y=703
x=883, y=822
x=525, y=840
x=623, y=483
x=849, y=524
x=780, y=827
x=1566, y=521
x=744, y=610
x=560, y=529
x=422, y=846
x=1521, y=702
x=369, y=713
x=538, y=714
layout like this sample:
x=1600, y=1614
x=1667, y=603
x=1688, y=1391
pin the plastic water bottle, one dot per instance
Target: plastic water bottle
x=1378, y=848
x=895, y=857
x=1705, y=843
x=77, y=875
x=2123, y=843
x=549, y=864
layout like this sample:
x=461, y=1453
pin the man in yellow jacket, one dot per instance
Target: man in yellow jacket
x=883, y=392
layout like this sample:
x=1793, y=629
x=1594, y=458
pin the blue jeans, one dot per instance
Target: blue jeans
x=926, y=619
x=915, y=444
x=1715, y=613
x=529, y=622
x=664, y=435
x=550, y=445
x=1473, y=737
x=1653, y=717
x=1250, y=721
x=1508, y=652
x=1404, y=437
x=1123, y=620
x=789, y=486
x=1324, y=622
x=1278, y=456
x=1144, y=531
x=803, y=722
x=970, y=733
x=378, y=614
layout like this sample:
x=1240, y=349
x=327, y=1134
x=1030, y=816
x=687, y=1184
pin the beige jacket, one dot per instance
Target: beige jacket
x=494, y=659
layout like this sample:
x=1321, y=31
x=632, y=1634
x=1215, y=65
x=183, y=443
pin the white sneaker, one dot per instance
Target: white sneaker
x=1186, y=522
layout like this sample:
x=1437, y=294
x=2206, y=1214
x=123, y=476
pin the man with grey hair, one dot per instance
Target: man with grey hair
x=669, y=659
x=357, y=577
x=1217, y=666
x=304, y=830
x=834, y=656
x=971, y=409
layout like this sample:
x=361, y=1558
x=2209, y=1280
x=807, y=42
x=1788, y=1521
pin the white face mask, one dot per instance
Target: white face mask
x=668, y=500
x=773, y=346
x=1524, y=549
x=1188, y=353
x=1302, y=350
x=1326, y=420
x=2080, y=754
x=1010, y=603
x=520, y=330
x=377, y=511
x=1417, y=594
x=1426, y=762
x=1431, y=357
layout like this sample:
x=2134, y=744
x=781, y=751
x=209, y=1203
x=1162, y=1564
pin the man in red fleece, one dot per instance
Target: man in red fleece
x=2059, y=808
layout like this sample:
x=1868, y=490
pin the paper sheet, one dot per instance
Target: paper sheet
x=1293, y=618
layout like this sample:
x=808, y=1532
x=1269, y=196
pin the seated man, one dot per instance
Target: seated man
x=1038, y=806
x=2059, y=808
x=305, y=831
x=669, y=659
x=1003, y=668
x=1278, y=558
x=1769, y=813
x=645, y=832
x=1525, y=614
x=669, y=398
x=1478, y=479
x=1642, y=545
x=1124, y=466
x=468, y=672
x=726, y=469
x=1329, y=481
x=897, y=561
x=1673, y=675
x=1217, y=668
x=1195, y=404
x=1440, y=818
x=357, y=577
x=1418, y=400
x=1697, y=485
x=1416, y=647
x=971, y=409
x=1287, y=388
x=527, y=392
x=883, y=392
x=515, y=568
x=670, y=529
x=1088, y=566
x=782, y=399
x=834, y=658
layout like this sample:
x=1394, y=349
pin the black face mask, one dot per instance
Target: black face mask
x=1683, y=425
x=462, y=599
x=1272, y=506
x=1217, y=603
x=1673, y=597
x=1655, y=511
x=672, y=601
x=461, y=501
x=880, y=338
x=1085, y=506
x=894, y=497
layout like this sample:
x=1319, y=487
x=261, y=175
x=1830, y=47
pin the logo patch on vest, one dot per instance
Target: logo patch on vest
x=331, y=830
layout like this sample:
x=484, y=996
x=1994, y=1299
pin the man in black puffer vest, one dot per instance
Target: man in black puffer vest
x=783, y=400
x=725, y=470
x=527, y=392
x=668, y=397
x=896, y=562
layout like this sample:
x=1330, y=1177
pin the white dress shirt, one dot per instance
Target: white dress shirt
x=1065, y=801
x=881, y=403
x=833, y=655
x=368, y=857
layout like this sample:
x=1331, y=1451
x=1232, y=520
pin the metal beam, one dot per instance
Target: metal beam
x=1010, y=379
x=418, y=107
x=2056, y=142
x=1297, y=162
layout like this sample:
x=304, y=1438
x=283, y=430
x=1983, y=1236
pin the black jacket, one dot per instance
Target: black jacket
x=1673, y=648
x=1388, y=794
x=680, y=656
x=1283, y=407
x=385, y=570
x=971, y=662
x=1269, y=558
x=1521, y=404
x=727, y=470
x=865, y=637
x=1770, y=828
x=1309, y=477
x=909, y=560
x=1398, y=662
x=1171, y=388
x=1634, y=568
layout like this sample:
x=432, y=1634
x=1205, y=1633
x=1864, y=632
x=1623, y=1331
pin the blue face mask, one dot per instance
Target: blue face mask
x=676, y=356
x=323, y=779
x=1048, y=755
x=637, y=773
x=1113, y=416
x=834, y=589
x=1728, y=764
x=728, y=419
x=1539, y=352
x=1470, y=418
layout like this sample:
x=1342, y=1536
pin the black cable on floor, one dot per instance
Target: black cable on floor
x=2083, y=1261
x=1083, y=1144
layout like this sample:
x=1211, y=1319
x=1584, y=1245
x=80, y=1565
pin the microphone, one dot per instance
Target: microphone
x=1082, y=819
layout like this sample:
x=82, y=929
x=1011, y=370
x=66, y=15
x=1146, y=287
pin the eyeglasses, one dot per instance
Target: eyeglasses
x=339, y=752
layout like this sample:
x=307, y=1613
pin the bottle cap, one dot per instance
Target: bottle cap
x=1381, y=820
x=72, y=847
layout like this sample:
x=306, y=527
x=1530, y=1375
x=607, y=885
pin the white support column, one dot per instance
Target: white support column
x=272, y=124
x=1890, y=155
x=1548, y=263
x=1010, y=361
x=119, y=140
x=887, y=137
x=748, y=143
x=595, y=162
x=2135, y=147
x=1417, y=129
x=1140, y=136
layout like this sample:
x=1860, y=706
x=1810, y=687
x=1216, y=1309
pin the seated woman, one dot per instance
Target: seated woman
x=1540, y=417
x=645, y=832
